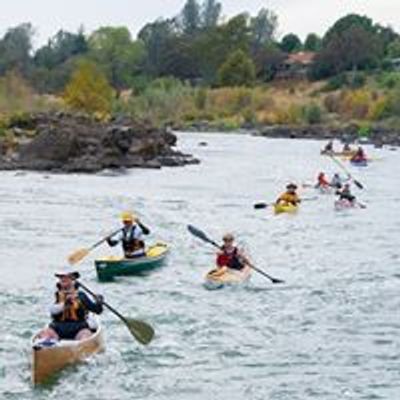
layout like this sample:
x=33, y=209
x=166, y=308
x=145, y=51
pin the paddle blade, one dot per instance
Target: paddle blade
x=142, y=331
x=358, y=184
x=260, y=206
x=77, y=256
x=197, y=232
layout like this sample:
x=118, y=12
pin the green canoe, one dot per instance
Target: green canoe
x=109, y=267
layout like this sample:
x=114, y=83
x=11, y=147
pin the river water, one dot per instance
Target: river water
x=330, y=332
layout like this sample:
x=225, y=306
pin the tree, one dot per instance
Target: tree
x=267, y=60
x=394, y=49
x=238, y=70
x=89, y=90
x=211, y=12
x=120, y=58
x=263, y=28
x=190, y=17
x=15, y=48
x=313, y=42
x=291, y=43
x=156, y=37
x=60, y=48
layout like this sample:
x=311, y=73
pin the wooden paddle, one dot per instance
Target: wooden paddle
x=202, y=236
x=356, y=182
x=80, y=254
x=259, y=206
x=140, y=330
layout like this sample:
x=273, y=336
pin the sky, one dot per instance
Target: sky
x=298, y=16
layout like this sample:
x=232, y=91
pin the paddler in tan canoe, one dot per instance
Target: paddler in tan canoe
x=70, y=311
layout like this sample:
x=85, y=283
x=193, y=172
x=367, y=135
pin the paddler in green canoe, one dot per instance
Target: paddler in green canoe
x=229, y=257
x=130, y=236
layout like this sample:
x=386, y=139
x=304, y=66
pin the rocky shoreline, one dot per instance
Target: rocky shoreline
x=67, y=143
x=378, y=135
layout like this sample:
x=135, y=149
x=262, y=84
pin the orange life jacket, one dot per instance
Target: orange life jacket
x=75, y=311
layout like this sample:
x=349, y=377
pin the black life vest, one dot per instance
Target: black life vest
x=129, y=243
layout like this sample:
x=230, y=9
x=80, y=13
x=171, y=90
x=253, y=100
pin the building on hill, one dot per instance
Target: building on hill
x=296, y=65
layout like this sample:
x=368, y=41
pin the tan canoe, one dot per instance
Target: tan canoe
x=218, y=278
x=48, y=360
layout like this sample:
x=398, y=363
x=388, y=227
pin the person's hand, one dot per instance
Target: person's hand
x=100, y=298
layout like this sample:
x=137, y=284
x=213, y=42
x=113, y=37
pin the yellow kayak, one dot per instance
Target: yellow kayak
x=285, y=208
x=220, y=277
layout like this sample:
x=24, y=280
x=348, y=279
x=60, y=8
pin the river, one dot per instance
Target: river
x=330, y=332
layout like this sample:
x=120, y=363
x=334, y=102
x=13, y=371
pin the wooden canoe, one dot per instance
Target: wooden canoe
x=46, y=361
x=218, y=278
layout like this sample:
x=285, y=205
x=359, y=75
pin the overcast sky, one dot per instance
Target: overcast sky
x=298, y=16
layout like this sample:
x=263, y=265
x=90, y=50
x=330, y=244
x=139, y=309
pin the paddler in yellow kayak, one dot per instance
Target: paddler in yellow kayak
x=130, y=236
x=290, y=196
x=229, y=257
x=70, y=311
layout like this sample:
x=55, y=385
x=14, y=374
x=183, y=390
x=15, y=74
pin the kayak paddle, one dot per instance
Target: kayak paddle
x=80, y=254
x=259, y=206
x=140, y=330
x=356, y=182
x=202, y=236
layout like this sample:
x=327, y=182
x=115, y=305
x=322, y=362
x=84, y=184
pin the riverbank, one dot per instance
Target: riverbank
x=72, y=142
x=377, y=135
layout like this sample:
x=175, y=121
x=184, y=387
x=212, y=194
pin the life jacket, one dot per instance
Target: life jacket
x=322, y=181
x=290, y=198
x=129, y=243
x=230, y=260
x=75, y=311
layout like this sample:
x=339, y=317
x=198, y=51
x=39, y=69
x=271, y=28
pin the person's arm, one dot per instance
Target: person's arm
x=93, y=306
x=114, y=240
x=144, y=228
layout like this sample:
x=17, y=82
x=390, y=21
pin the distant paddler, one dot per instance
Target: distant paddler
x=322, y=182
x=328, y=149
x=345, y=194
x=290, y=197
x=70, y=311
x=360, y=156
x=130, y=236
x=337, y=181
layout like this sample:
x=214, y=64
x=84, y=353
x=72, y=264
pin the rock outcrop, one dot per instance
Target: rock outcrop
x=63, y=142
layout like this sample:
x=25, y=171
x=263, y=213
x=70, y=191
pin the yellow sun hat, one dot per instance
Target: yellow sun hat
x=128, y=216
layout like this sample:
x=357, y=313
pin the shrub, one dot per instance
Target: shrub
x=237, y=70
x=312, y=113
x=89, y=90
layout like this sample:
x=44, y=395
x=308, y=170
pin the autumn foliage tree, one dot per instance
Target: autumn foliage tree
x=89, y=90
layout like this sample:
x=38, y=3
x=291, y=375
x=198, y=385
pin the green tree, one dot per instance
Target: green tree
x=291, y=43
x=89, y=90
x=191, y=17
x=263, y=28
x=211, y=12
x=238, y=70
x=114, y=51
x=267, y=60
x=394, y=49
x=157, y=37
x=15, y=48
x=313, y=42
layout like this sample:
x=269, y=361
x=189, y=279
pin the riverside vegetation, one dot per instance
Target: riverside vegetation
x=196, y=72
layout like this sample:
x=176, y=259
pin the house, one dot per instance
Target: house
x=296, y=65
